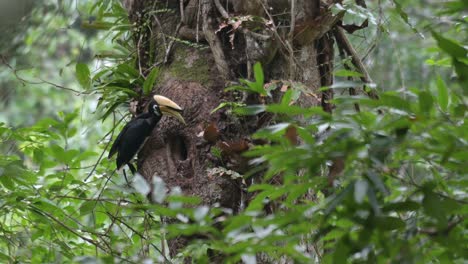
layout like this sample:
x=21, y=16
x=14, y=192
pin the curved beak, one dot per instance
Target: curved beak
x=169, y=108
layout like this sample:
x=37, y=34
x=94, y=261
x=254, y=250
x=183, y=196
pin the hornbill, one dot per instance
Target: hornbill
x=133, y=136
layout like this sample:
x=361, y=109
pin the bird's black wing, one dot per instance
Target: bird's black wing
x=117, y=142
x=132, y=140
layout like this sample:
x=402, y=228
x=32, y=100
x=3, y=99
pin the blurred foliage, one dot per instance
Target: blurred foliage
x=401, y=196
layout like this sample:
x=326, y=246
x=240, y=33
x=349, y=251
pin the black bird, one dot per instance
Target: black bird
x=133, y=136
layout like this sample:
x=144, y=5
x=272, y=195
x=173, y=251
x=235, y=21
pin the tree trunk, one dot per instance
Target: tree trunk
x=199, y=53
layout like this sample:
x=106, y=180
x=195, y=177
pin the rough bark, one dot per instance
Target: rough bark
x=300, y=50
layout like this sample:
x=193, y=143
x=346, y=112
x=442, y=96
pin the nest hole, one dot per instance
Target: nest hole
x=178, y=146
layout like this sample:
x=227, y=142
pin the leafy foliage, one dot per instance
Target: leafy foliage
x=400, y=194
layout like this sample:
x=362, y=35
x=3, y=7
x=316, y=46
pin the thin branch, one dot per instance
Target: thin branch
x=182, y=14
x=226, y=16
x=139, y=234
x=291, y=38
x=445, y=231
x=343, y=41
x=221, y=9
x=21, y=79
x=39, y=211
x=171, y=43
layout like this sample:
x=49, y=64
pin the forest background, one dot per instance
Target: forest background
x=400, y=194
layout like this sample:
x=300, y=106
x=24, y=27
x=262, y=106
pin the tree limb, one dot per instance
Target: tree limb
x=213, y=41
x=344, y=43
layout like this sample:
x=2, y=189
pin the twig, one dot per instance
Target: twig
x=445, y=231
x=182, y=14
x=343, y=41
x=291, y=38
x=39, y=211
x=21, y=79
x=107, y=145
x=221, y=9
x=352, y=90
x=226, y=16
x=139, y=234
x=171, y=43
x=197, y=29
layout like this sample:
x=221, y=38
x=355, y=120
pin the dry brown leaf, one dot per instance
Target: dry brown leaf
x=211, y=133
x=291, y=135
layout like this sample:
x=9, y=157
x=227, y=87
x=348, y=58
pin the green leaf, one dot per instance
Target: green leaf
x=6, y=181
x=150, y=79
x=87, y=207
x=373, y=201
x=442, y=94
x=425, y=102
x=227, y=104
x=337, y=199
x=389, y=223
x=377, y=181
x=403, y=15
x=128, y=70
x=433, y=207
x=395, y=101
x=401, y=206
x=250, y=110
x=341, y=253
x=461, y=68
x=83, y=75
x=346, y=73
x=259, y=77
x=451, y=47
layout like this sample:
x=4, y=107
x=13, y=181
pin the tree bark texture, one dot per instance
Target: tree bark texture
x=200, y=51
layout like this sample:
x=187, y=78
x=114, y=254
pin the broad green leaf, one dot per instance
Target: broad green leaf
x=7, y=182
x=378, y=182
x=128, y=70
x=373, y=201
x=395, y=101
x=270, y=130
x=442, y=94
x=461, y=68
x=450, y=46
x=259, y=77
x=404, y=15
x=426, y=102
x=344, y=85
x=338, y=199
x=227, y=104
x=150, y=79
x=389, y=223
x=341, y=253
x=432, y=206
x=287, y=109
x=83, y=75
x=401, y=206
x=250, y=110
x=347, y=73
x=87, y=207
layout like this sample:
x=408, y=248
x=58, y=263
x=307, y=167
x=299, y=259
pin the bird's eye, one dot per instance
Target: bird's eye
x=156, y=109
